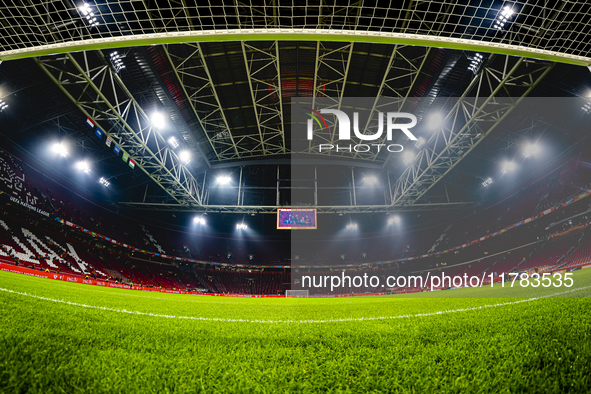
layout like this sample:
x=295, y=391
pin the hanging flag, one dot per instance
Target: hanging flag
x=108, y=141
x=90, y=123
x=116, y=149
x=131, y=163
x=125, y=157
x=99, y=133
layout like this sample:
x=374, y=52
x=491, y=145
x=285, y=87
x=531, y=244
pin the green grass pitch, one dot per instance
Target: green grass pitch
x=69, y=338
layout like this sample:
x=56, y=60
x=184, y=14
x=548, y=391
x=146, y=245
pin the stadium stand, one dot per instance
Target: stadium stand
x=60, y=250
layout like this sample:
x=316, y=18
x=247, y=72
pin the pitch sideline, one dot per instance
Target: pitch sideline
x=352, y=319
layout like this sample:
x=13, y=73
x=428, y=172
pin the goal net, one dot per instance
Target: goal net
x=296, y=293
x=435, y=22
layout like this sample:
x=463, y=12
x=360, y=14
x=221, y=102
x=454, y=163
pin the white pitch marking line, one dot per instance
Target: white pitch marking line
x=219, y=319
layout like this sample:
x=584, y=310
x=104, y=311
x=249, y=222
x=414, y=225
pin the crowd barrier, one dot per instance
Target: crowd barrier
x=75, y=279
x=102, y=283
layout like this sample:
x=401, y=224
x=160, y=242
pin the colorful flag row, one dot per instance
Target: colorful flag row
x=117, y=149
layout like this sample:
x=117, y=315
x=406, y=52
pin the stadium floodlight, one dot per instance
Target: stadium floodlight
x=104, y=182
x=420, y=142
x=408, y=157
x=87, y=12
x=487, y=182
x=116, y=61
x=587, y=107
x=3, y=105
x=370, y=180
x=223, y=179
x=85, y=9
x=173, y=142
x=241, y=226
x=83, y=166
x=157, y=120
x=185, y=156
x=394, y=219
x=59, y=149
x=508, y=166
x=531, y=149
x=199, y=220
x=352, y=226
x=435, y=120
x=476, y=63
x=503, y=18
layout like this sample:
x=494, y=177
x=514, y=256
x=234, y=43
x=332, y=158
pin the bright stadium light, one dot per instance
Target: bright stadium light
x=587, y=107
x=87, y=12
x=104, y=182
x=157, y=120
x=3, y=105
x=173, y=142
x=85, y=9
x=199, y=220
x=83, y=166
x=241, y=226
x=394, y=219
x=223, y=179
x=530, y=149
x=116, y=61
x=420, y=142
x=487, y=182
x=370, y=180
x=352, y=226
x=408, y=157
x=503, y=18
x=508, y=166
x=435, y=120
x=59, y=149
x=185, y=156
x=476, y=63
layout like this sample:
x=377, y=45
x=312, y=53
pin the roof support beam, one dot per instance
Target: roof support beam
x=342, y=91
x=90, y=83
x=198, y=87
x=334, y=61
x=272, y=209
x=400, y=67
x=469, y=121
x=262, y=68
x=315, y=89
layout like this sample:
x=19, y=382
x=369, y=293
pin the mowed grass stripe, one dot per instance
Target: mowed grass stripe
x=542, y=346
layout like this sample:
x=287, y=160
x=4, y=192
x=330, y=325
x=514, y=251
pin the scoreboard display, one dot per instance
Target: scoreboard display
x=296, y=219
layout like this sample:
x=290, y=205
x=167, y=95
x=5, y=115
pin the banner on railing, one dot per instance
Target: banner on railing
x=570, y=230
x=494, y=234
x=75, y=279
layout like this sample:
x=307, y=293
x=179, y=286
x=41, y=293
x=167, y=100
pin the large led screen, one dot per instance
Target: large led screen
x=296, y=219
